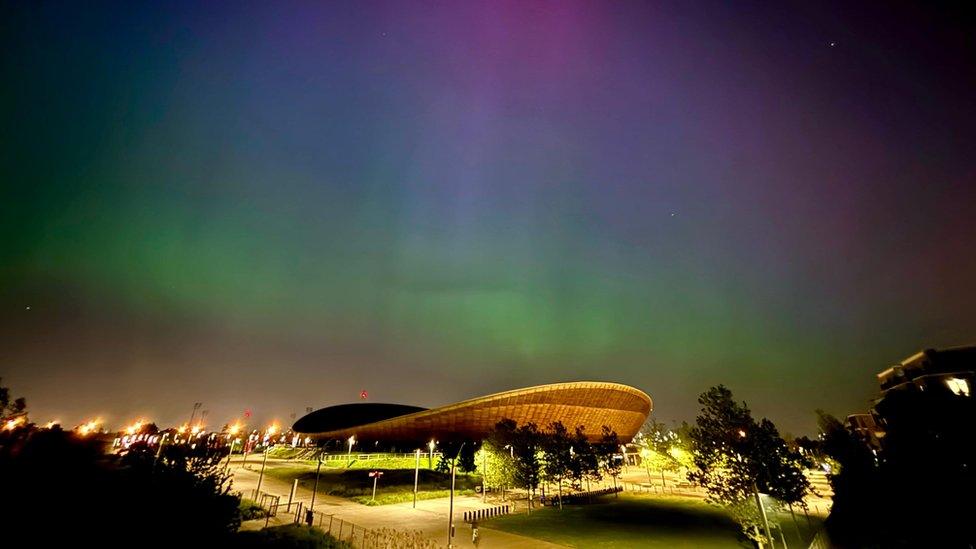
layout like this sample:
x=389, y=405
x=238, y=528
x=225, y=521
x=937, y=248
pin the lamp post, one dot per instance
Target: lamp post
x=159, y=450
x=416, y=478
x=762, y=509
x=247, y=446
x=196, y=406
x=315, y=487
x=450, y=508
x=230, y=452
x=261, y=475
x=430, y=454
x=351, y=441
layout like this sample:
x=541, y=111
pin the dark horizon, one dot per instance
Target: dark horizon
x=277, y=208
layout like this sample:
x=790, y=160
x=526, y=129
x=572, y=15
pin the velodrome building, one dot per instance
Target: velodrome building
x=588, y=404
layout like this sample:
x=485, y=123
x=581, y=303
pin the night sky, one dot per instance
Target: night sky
x=274, y=205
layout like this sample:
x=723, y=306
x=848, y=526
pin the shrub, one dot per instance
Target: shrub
x=290, y=536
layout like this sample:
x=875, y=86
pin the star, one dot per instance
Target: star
x=672, y=214
x=28, y=307
x=832, y=44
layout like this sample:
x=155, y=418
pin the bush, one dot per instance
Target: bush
x=290, y=536
x=251, y=510
x=405, y=496
x=181, y=497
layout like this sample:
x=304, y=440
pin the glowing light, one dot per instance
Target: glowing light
x=742, y=433
x=235, y=428
x=135, y=427
x=272, y=430
x=51, y=424
x=958, y=386
x=89, y=427
x=13, y=423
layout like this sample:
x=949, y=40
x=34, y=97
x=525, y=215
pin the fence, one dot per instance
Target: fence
x=483, y=514
x=343, y=530
x=578, y=496
x=674, y=489
x=369, y=457
x=821, y=541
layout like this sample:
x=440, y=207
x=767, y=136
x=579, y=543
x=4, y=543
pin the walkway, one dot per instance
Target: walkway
x=430, y=516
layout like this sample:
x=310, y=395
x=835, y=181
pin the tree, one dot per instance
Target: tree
x=465, y=452
x=557, y=456
x=606, y=450
x=856, y=483
x=737, y=458
x=495, y=464
x=10, y=409
x=185, y=479
x=182, y=499
x=659, y=449
x=526, y=448
x=583, y=464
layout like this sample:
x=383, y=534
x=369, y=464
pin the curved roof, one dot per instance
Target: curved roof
x=590, y=404
x=351, y=415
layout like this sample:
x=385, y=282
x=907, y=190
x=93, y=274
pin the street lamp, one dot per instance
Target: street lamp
x=416, y=477
x=430, y=454
x=230, y=452
x=271, y=430
x=762, y=509
x=351, y=441
x=450, y=509
x=261, y=475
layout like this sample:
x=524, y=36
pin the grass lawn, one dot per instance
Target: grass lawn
x=395, y=486
x=628, y=521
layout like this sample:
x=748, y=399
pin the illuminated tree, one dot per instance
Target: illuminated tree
x=659, y=449
x=737, y=458
x=495, y=464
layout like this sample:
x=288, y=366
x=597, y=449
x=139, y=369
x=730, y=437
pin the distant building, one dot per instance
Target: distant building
x=590, y=405
x=931, y=381
x=866, y=427
x=927, y=412
x=949, y=370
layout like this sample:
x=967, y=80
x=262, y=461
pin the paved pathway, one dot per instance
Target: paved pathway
x=430, y=516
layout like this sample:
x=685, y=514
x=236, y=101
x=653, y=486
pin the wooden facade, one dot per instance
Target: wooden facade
x=585, y=403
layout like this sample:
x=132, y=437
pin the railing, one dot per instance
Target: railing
x=368, y=457
x=341, y=529
x=682, y=488
x=484, y=514
x=821, y=540
x=577, y=496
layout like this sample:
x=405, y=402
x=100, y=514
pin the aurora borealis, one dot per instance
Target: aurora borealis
x=273, y=207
